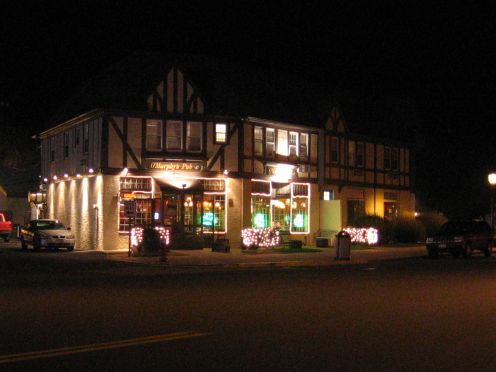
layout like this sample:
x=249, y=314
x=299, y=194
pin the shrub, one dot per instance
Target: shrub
x=407, y=230
x=151, y=243
x=432, y=222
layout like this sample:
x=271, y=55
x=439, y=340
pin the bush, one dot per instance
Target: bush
x=398, y=230
x=432, y=222
x=151, y=243
x=407, y=230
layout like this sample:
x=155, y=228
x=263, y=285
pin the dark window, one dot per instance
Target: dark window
x=359, y=154
x=86, y=138
x=394, y=159
x=387, y=157
x=334, y=150
x=356, y=209
x=194, y=132
x=154, y=135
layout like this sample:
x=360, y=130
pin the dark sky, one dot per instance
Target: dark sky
x=442, y=57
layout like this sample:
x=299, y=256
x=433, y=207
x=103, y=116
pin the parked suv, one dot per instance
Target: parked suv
x=461, y=238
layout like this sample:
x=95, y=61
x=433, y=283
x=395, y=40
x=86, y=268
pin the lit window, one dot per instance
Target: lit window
x=270, y=142
x=174, y=135
x=258, y=137
x=194, y=137
x=220, y=133
x=153, y=135
x=329, y=195
x=300, y=208
x=282, y=142
x=303, y=146
x=293, y=144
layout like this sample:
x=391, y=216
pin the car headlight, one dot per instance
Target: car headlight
x=429, y=240
x=458, y=239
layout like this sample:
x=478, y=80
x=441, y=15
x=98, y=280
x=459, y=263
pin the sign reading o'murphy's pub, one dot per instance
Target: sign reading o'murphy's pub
x=175, y=165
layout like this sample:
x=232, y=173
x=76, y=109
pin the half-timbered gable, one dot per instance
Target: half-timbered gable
x=176, y=94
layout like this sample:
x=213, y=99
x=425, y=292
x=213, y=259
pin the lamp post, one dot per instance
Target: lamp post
x=492, y=181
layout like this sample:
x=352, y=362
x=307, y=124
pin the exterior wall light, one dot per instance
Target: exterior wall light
x=45, y=179
x=91, y=170
x=55, y=178
x=66, y=175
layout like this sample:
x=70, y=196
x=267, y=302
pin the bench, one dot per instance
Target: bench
x=286, y=241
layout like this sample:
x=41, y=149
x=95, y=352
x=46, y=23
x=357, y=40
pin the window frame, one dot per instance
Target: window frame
x=270, y=154
x=181, y=136
x=188, y=126
x=258, y=141
x=159, y=134
x=216, y=132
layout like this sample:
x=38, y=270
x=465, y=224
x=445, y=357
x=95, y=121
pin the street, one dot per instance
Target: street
x=93, y=314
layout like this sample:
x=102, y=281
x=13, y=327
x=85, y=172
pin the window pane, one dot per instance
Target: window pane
x=174, y=135
x=304, y=146
x=220, y=132
x=258, y=135
x=282, y=142
x=270, y=140
x=194, y=136
x=153, y=135
x=334, y=150
x=293, y=144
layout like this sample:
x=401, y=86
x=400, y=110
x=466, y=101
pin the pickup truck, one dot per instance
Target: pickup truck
x=5, y=228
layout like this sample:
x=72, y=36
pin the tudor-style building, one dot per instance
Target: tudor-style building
x=176, y=160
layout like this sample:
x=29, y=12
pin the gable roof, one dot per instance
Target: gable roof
x=239, y=89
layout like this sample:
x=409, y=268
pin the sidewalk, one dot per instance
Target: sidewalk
x=237, y=259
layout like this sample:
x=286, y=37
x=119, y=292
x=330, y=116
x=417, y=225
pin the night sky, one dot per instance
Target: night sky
x=440, y=57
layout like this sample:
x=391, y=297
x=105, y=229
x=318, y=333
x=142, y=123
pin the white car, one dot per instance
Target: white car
x=47, y=233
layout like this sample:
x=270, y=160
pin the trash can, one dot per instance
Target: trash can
x=343, y=245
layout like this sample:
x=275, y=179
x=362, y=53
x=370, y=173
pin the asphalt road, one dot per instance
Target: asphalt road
x=407, y=314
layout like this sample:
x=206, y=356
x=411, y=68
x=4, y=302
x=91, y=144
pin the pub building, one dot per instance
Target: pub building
x=167, y=142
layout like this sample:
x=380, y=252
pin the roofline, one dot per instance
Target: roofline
x=69, y=123
x=280, y=123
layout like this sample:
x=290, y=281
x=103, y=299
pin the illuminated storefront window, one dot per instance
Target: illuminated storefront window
x=300, y=207
x=213, y=218
x=281, y=213
x=260, y=203
x=135, y=202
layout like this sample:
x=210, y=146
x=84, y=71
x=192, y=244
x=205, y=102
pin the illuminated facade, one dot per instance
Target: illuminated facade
x=176, y=163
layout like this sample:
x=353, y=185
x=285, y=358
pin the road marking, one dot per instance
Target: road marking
x=95, y=347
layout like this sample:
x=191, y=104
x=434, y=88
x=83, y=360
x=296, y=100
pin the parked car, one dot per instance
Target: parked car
x=5, y=227
x=461, y=238
x=47, y=233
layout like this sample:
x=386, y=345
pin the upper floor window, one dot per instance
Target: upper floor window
x=76, y=137
x=220, y=133
x=66, y=144
x=334, y=150
x=395, y=159
x=86, y=138
x=387, y=157
x=282, y=142
x=270, y=142
x=359, y=154
x=174, y=135
x=304, y=146
x=194, y=136
x=154, y=135
x=258, y=138
x=351, y=153
x=293, y=144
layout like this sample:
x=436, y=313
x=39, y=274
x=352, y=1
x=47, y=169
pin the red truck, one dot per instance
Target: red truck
x=5, y=228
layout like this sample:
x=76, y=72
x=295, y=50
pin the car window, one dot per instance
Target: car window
x=454, y=228
x=49, y=225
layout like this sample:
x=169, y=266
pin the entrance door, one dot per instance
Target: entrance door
x=183, y=208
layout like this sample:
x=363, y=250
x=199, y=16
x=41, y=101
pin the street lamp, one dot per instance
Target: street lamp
x=492, y=181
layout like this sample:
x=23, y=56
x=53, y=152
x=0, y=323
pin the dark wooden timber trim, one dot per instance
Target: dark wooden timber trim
x=174, y=94
x=104, y=143
x=221, y=150
x=143, y=137
x=125, y=135
x=124, y=143
x=241, y=141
